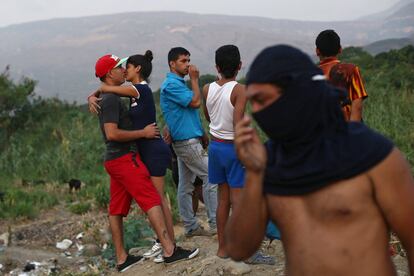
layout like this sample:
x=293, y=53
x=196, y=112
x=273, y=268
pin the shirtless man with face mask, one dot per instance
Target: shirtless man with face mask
x=334, y=188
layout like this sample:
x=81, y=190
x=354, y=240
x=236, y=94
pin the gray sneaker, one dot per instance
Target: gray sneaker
x=200, y=231
x=260, y=258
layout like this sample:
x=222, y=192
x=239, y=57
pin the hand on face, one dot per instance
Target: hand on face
x=193, y=72
x=250, y=150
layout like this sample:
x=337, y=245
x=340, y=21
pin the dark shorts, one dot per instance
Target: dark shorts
x=156, y=155
x=130, y=180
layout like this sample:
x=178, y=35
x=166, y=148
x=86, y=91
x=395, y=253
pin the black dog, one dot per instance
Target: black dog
x=74, y=184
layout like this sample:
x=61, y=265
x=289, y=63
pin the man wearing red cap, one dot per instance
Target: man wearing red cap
x=129, y=177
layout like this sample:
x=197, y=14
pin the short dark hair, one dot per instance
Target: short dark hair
x=144, y=61
x=176, y=52
x=329, y=43
x=228, y=60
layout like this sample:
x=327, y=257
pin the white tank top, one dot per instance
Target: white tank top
x=220, y=110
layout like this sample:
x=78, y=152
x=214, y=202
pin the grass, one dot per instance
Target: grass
x=26, y=201
x=80, y=208
x=392, y=114
x=171, y=194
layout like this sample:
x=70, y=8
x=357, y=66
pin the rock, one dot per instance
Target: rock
x=137, y=250
x=105, y=235
x=79, y=246
x=88, y=238
x=236, y=268
x=64, y=245
x=91, y=250
x=4, y=239
x=208, y=261
x=198, y=270
x=402, y=273
x=29, y=267
x=19, y=236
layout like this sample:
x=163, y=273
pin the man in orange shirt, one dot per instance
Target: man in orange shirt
x=343, y=75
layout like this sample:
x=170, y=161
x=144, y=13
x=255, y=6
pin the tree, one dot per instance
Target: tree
x=14, y=103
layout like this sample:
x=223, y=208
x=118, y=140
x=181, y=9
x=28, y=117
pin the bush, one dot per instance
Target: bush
x=19, y=203
x=80, y=208
x=101, y=194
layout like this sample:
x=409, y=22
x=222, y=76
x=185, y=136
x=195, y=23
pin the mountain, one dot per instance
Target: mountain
x=384, y=14
x=387, y=44
x=61, y=53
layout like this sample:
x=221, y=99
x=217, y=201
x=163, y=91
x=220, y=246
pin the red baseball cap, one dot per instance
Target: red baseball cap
x=107, y=63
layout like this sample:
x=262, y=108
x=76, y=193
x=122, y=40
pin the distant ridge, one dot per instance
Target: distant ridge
x=387, y=44
x=384, y=14
x=61, y=53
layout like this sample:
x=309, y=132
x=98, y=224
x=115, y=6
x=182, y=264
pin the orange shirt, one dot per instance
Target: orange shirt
x=346, y=76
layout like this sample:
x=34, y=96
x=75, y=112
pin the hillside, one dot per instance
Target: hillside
x=387, y=44
x=61, y=53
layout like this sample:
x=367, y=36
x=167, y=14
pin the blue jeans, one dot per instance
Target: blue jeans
x=193, y=161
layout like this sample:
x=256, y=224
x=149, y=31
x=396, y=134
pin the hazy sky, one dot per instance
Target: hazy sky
x=17, y=11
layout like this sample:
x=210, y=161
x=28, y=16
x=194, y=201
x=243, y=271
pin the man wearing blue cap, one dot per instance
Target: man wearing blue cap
x=334, y=188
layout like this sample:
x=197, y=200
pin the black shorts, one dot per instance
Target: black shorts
x=156, y=155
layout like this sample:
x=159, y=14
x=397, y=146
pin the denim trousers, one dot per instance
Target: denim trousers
x=193, y=161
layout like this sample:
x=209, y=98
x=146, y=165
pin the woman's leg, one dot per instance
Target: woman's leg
x=158, y=182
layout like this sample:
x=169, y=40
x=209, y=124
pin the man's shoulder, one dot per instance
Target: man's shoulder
x=109, y=100
x=109, y=97
x=168, y=82
x=344, y=67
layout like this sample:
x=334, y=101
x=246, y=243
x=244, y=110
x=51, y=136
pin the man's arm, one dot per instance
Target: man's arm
x=194, y=75
x=356, y=110
x=239, y=101
x=247, y=224
x=357, y=95
x=113, y=133
x=394, y=193
x=205, y=94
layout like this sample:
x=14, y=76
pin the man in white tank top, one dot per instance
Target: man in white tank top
x=224, y=105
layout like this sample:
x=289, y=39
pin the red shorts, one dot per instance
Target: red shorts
x=130, y=179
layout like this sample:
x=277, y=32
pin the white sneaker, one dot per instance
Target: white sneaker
x=159, y=259
x=154, y=251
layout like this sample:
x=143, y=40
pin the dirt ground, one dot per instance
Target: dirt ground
x=35, y=241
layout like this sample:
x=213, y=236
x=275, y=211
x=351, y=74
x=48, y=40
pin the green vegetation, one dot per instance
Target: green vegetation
x=80, y=208
x=21, y=201
x=390, y=86
x=51, y=141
